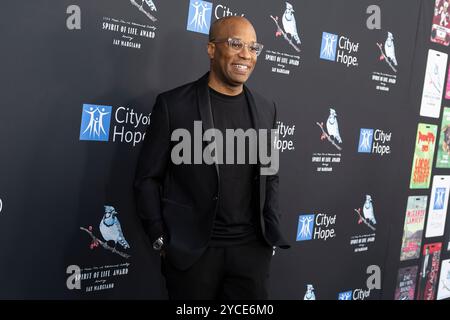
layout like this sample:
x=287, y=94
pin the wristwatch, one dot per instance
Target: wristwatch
x=157, y=245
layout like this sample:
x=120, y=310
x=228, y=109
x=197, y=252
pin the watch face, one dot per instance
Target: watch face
x=158, y=244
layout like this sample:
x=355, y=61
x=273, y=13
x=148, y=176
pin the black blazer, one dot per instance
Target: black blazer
x=180, y=201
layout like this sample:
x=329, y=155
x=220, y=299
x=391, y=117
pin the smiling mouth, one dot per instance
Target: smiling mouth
x=240, y=68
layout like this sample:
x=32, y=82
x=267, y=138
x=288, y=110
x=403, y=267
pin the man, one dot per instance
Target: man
x=215, y=224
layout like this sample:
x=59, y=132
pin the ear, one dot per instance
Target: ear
x=211, y=50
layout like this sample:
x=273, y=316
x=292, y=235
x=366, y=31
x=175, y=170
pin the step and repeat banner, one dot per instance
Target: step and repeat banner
x=363, y=96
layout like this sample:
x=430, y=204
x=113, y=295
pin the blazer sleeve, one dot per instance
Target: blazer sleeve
x=151, y=170
x=271, y=206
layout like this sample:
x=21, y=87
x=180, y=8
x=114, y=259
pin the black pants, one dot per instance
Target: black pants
x=222, y=273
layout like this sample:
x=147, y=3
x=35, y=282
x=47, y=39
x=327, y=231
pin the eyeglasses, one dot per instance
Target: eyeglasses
x=237, y=44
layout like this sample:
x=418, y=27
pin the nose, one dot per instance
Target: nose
x=245, y=53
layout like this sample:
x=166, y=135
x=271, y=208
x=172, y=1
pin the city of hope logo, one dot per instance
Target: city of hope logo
x=199, y=18
x=316, y=227
x=339, y=49
x=374, y=141
x=328, y=47
x=365, y=140
x=95, y=122
x=305, y=227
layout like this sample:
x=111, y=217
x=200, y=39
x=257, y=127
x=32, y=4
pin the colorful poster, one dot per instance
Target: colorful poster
x=406, y=283
x=440, y=31
x=428, y=271
x=413, y=227
x=437, y=210
x=423, y=156
x=444, y=281
x=443, y=154
x=433, y=85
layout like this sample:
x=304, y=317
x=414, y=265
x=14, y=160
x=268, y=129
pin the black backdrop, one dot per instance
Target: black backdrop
x=52, y=182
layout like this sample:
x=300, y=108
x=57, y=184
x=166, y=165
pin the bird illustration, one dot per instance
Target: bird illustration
x=289, y=23
x=110, y=228
x=332, y=126
x=435, y=75
x=309, y=295
x=389, y=49
x=368, y=210
x=150, y=4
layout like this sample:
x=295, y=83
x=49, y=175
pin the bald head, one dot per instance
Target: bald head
x=222, y=25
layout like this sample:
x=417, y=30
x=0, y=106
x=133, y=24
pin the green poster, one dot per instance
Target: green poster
x=443, y=154
x=413, y=228
x=423, y=156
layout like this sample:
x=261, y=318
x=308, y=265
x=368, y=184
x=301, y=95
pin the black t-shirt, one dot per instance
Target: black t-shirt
x=236, y=220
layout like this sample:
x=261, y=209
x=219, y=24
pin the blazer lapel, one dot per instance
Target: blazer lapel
x=255, y=119
x=204, y=107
